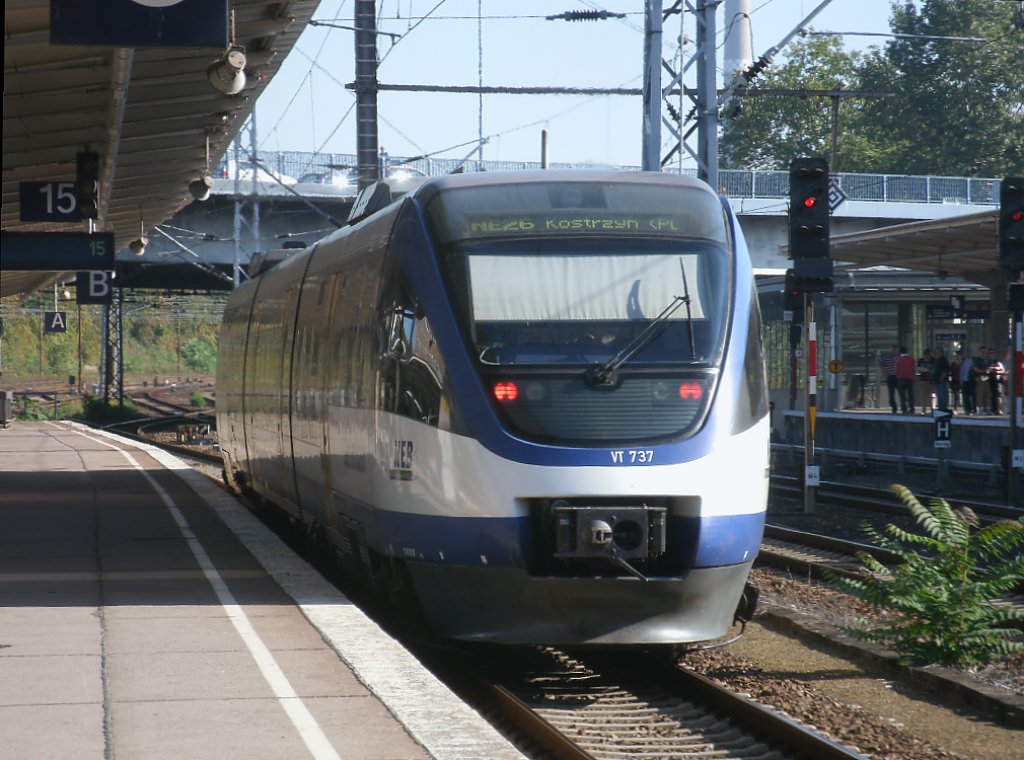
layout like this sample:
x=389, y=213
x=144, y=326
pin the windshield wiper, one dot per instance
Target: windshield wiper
x=605, y=374
x=689, y=313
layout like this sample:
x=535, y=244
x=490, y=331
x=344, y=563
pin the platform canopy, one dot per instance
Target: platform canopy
x=146, y=111
x=961, y=246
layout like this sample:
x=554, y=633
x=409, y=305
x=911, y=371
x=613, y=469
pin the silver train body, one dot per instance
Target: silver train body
x=539, y=398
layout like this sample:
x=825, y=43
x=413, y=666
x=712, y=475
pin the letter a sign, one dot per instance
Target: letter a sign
x=94, y=287
x=55, y=321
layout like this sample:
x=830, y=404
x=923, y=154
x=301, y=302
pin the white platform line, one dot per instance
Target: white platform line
x=309, y=730
x=419, y=701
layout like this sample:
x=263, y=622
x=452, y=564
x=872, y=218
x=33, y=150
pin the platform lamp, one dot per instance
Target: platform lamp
x=227, y=74
x=138, y=246
x=200, y=188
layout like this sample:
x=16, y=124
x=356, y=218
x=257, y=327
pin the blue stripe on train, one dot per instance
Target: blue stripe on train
x=505, y=542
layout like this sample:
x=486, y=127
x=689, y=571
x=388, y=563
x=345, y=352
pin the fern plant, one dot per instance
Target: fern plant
x=939, y=598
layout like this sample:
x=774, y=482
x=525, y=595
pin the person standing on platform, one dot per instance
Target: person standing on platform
x=887, y=362
x=940, y=378
x=906, y=371
x=925, y=364
x=924, y=374
x=996, y=374
x=954, y=378
x=984, y=397
x=968, y=383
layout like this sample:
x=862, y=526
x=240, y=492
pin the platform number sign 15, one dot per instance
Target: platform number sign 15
x=49, y=202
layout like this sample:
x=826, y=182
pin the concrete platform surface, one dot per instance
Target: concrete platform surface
x=145, y=614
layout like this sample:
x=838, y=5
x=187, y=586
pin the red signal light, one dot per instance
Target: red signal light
x=810, y=201
x=506, y=392
x=690, y=391
x=1016, y=216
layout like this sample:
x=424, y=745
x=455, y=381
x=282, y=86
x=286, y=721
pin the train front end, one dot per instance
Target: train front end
x=604, y=472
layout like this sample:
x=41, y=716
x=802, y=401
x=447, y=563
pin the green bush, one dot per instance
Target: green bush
x=96, y=412
x=940, y=596
x=198, y=399
x=29, y=409
x=156, y=337
x=200, y=356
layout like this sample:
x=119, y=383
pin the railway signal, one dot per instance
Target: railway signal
x=87, y=184
x=792, y=300
x=809, y=225
x=1011, y=223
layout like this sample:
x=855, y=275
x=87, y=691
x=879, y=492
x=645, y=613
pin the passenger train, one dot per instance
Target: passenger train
x=537, y=398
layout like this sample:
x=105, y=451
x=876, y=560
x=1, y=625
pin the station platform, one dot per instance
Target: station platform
x=982, y=441
x=145, y=613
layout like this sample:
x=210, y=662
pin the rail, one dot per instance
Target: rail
x=339, y=169
x=993, y=473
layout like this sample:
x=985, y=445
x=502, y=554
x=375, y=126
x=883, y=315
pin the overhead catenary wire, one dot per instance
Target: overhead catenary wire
x=413, y=23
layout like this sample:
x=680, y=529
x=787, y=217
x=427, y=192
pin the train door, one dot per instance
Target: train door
x=268, y=366
x=312, y=332
x=286, y=472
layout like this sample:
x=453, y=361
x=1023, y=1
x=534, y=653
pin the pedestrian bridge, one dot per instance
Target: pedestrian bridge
x=291, y=197
x=907, y=196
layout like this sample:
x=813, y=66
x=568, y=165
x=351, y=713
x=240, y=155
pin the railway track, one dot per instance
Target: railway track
x=623, y=706
x=877, y=499
x=613, y=706
x=812, y=555
x=603, y=707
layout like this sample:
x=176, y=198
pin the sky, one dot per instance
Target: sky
x=306, y=107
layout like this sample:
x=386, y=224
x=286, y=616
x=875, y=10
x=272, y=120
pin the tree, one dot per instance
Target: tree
x=959, y=103
x=957, y=107
x=770, y=130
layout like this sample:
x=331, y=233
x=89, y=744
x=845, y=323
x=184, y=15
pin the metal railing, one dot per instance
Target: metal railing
x=339, y=168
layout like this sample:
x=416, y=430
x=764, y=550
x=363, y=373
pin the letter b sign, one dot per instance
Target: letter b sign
x=94, y=287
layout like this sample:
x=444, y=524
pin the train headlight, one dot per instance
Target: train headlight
x=664, y=391
x=535, y=391
x=661, y=392
x=506, y=391
x=691, y=391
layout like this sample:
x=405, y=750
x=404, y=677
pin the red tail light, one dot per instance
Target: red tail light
x=506, y=392
x=690, y=391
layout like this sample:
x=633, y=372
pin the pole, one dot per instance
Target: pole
x=810, y=471
x=254, y=202
x=42, y=323
x=651, y=159
x=119, y=336
x=543, y=149
x=795, y=341
x=105, y=353
x=177, y=341
x=1016, y=402
x=237, y=230
x=366, y=92
x=707, y=93
x=79, y=349
x=835, y=132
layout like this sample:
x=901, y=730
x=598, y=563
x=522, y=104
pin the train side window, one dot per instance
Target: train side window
x=752, y=404
x=413, y=373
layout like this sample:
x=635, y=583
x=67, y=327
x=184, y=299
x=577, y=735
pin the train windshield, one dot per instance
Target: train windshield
x=581, y=274
x=596, y=311
x=567, y=302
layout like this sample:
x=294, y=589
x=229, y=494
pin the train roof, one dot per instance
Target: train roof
x=383, y=193
x=484, y=179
